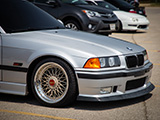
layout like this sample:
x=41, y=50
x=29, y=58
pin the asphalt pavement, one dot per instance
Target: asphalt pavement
x=13, y=107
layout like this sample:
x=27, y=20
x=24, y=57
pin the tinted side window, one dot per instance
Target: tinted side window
x=41, y=1
x=20, y=15
x=91, y=3
x=44, y=1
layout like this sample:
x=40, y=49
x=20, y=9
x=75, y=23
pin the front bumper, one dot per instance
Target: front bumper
x=141, y=25
x=101, y=25
x=136, y=27
x=91, y=84
x=130, y=95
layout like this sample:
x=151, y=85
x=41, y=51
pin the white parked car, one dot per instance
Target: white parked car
x=128, y=21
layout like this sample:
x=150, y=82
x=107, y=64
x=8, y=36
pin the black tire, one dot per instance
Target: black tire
x=72, y=24
x=53, y=83
x=119, y=26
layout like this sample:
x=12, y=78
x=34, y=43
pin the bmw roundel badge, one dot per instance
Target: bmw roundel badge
x=130, y=49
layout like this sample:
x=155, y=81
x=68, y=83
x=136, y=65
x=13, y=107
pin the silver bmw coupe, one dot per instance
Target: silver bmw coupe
x=58, y=65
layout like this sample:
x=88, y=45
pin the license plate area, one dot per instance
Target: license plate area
x=112, y=27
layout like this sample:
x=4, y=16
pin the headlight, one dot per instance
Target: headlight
x=109, y=61
x=91, y=13
x=134, y=19
x=145, y=55
x=103, y=62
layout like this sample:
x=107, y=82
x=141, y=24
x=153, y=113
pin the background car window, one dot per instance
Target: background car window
x=118, y=3
x=44, y=1
x=91, y=3
x=77, y=2
x=41, y=1
x=106, y=5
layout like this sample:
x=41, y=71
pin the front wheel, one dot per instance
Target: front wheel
x=53, y=83
x=72, y=24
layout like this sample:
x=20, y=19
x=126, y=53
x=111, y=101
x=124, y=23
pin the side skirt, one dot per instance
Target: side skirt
x=13, y=88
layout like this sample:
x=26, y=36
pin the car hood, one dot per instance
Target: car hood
x=78, y=43
x=95, y=8
x=125, y=16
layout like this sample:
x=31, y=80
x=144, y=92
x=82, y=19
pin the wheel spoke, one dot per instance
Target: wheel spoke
x=46, y=75
x=71, y=26
x=55, y=93
x=50, y=74
x=61, y=85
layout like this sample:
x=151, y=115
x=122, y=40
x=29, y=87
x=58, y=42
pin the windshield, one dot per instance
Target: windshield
x=118, y=3
x=106, y=5
x=20, y=16
x=76, y=2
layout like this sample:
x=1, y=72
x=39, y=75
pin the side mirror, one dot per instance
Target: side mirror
x=1, y=30
x=60, y=21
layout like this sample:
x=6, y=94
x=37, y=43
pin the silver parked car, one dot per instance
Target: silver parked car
x=60, y=65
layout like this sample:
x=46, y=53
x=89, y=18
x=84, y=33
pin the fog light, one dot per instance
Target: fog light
x=90, y=26
x=106, y=90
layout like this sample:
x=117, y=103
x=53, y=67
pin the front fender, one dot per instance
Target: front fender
x=74, y=61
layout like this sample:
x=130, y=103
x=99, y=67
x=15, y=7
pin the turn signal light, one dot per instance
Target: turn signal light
x=93, y=63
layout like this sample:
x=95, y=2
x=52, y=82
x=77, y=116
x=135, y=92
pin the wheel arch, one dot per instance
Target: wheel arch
x=120, y=25
x=37, y=60
x=75, y=19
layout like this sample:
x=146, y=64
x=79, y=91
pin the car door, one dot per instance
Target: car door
x=0, y=52
x=50, y=6
x=12, y=73
x=1, y=32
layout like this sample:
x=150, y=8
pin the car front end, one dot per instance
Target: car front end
x=131, y=21
x=99, y=19
x=129, y=80
x=110, y=69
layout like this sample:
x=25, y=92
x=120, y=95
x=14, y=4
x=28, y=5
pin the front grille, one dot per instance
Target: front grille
x=109, y=22
x=142, y=26
x=140, y=60
x=132, y=25
x=108, y=15
x=134, y=60
x=133, y=84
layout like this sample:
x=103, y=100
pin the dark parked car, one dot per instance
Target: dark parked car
x=78, y=14
x=125, y=6
x=128, y=21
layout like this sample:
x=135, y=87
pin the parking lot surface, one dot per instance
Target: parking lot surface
x=13, y=107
